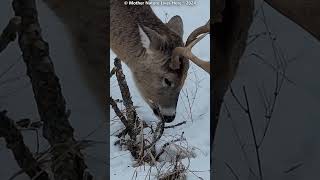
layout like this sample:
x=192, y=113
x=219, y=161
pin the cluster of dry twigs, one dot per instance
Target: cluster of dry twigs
x=141, y=138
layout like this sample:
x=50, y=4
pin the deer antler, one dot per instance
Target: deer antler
x=196, y=36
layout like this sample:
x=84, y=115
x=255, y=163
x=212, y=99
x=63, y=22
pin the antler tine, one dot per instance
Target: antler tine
x=186, y=52
x=192, y=40
x=195, y=41
x=200, y=30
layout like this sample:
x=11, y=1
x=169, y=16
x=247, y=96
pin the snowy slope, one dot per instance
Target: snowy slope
x=196, y=111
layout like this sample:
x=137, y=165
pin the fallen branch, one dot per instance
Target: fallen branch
x=125, y=92
x=20, y=151
x=118, y=111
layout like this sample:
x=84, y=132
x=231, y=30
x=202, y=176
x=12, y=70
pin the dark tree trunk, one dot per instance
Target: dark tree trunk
x=230, y=36
x=67, y=160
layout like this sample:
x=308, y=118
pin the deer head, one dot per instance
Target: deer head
x=165, y=82
x=158, y=81
x=146, y=44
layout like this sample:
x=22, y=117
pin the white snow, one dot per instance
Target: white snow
x=193, y=105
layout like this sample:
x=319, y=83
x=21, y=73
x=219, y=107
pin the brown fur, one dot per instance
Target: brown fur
x=86, y=22
x=148, y=69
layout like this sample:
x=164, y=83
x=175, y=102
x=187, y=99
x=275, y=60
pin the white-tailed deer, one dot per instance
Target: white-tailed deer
x=139, y=38
x=149, y=48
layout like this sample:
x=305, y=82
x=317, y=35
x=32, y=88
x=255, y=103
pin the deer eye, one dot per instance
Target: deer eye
x=166, y=82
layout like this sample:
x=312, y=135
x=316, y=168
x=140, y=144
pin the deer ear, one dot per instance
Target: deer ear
x=150, y=39
x=176, y=25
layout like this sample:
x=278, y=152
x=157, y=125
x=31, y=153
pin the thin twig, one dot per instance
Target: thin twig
x=166, y=145
x=159, y=130
x=293, y=168
x=236, y=133
x=232, y=171
x=253, y=133
x=175, y=125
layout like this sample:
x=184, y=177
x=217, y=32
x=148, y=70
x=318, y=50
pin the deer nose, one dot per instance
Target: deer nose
x=169, y=119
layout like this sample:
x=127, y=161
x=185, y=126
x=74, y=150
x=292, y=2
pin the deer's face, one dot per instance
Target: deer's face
x=160, y=87
x=157, y=81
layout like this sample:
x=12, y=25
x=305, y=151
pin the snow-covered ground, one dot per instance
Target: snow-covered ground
x=193, y=105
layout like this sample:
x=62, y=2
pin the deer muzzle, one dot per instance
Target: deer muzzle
x=165, y=114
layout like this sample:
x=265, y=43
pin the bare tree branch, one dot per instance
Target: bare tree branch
x=21, y=152
x=118, y=111
x=248, y=111
x=175, y=125
x=293, y=168
x=127, y=101
x=47, y=92
x=232, y=171
x=238, y=139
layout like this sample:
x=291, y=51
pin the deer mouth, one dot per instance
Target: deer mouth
x=163, y=117
x=169, y=119
x=156, y=111
x=164, y=114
